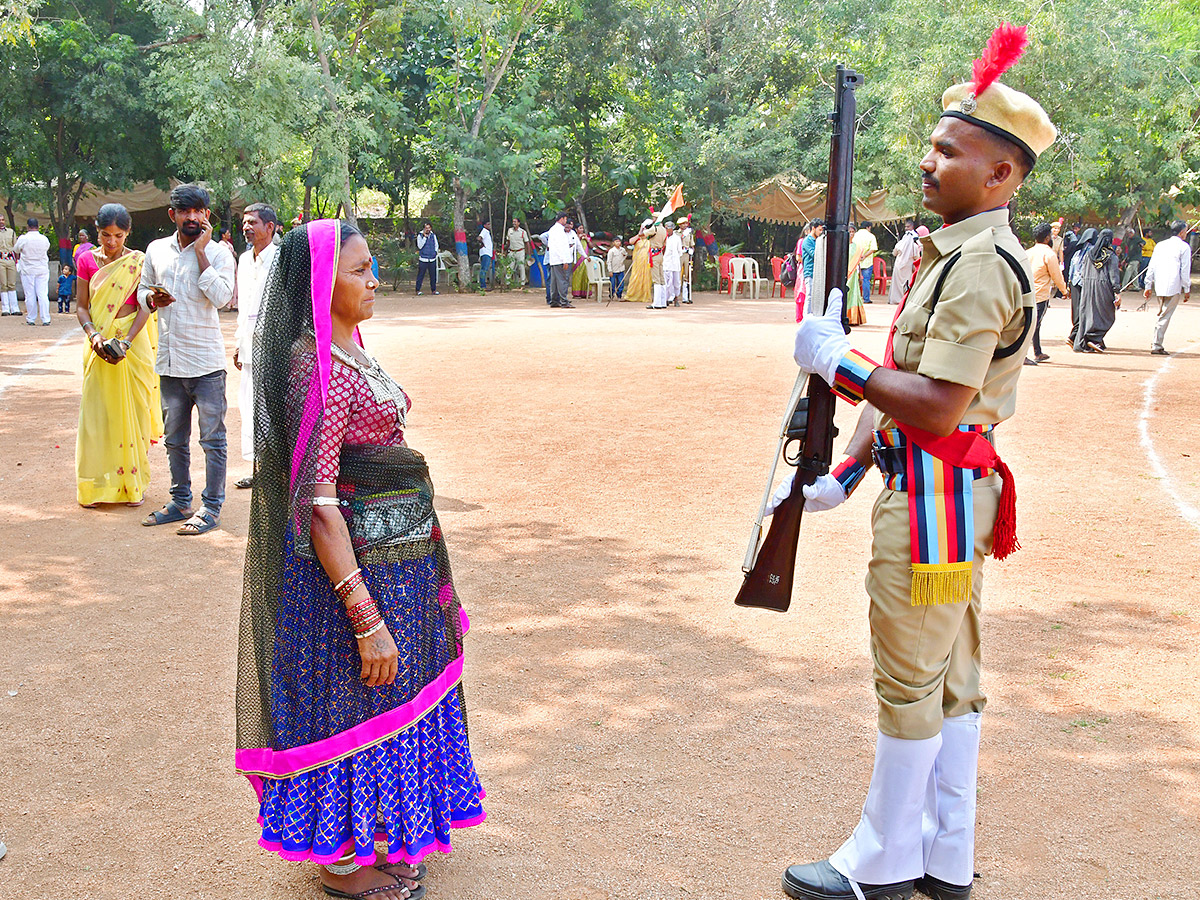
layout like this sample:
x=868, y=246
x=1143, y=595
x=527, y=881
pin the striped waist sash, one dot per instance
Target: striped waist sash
x=938, y=474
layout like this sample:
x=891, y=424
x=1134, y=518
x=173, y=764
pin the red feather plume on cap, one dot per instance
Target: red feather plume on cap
x=1004, y=47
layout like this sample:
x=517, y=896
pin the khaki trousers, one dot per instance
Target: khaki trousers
x=8, y=275
x=927, y=658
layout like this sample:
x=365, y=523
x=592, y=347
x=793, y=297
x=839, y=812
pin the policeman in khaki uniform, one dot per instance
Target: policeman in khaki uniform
x=656, y=238
x=8, y=272
x=688, y=236
x=949, y=376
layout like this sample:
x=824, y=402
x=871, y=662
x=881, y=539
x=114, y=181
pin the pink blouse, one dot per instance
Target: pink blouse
x=88, y=267
x=354, y=415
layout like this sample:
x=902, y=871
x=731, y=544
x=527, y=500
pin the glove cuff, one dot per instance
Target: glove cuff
x=850, y=376
x=849, y=474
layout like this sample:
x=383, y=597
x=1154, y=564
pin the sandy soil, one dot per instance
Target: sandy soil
x=638, y=735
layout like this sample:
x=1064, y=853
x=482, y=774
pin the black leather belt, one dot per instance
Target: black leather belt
x=890, y=460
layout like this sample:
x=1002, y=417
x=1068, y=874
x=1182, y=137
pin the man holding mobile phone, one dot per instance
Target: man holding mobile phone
x=187, y=277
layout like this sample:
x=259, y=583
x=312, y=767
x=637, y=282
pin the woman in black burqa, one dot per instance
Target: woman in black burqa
x=1099, y=294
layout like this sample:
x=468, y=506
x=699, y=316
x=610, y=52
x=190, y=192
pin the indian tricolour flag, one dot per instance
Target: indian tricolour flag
x=676, y=202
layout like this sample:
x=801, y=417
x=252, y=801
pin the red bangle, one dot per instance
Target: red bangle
x=348, y=585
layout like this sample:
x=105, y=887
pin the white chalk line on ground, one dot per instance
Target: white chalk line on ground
x=1190, y=514
x=69, y=334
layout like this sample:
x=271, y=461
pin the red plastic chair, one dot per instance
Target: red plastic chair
x=723, y=270
x=880, y=278
x=776, y=274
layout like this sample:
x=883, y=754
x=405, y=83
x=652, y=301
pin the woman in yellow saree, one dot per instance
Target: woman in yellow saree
x=120, y=412
x=637, y=273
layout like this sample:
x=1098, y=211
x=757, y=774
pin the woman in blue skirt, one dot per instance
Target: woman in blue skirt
x=351, y=723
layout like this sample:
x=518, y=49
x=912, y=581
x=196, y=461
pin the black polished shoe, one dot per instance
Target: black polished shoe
x=941, y=890
x=821, y=881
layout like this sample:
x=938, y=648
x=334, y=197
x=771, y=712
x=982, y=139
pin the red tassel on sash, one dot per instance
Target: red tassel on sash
x=971, y=450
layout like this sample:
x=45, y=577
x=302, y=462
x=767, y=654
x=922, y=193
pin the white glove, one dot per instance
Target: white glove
x=781, y=493
x=820, y=341
x=824, y=493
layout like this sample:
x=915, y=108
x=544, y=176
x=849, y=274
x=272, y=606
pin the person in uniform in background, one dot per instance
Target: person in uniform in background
x=8, y=271
x=517, y=239
x=672, y=265
x=33, y=265
x=259, y=224
x=616, y=268
x=688, y=237
x=948, y=376
x=1057, y=244
x=656, y=241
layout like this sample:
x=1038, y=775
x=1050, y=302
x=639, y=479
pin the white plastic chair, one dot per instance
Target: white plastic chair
x=740, y=272
x=597, y=281
x=757, y=282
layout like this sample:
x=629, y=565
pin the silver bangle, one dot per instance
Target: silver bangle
x=370, y=631
x=326, y=501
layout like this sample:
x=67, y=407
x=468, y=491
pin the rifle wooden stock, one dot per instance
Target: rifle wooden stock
x=768, y=583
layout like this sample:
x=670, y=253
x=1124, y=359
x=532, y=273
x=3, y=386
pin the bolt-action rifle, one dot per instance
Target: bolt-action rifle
x=806, y=437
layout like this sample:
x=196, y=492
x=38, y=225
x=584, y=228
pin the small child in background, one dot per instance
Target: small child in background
x=66, y=288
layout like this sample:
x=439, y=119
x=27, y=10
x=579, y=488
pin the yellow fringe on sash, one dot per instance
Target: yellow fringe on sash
x=937, y=583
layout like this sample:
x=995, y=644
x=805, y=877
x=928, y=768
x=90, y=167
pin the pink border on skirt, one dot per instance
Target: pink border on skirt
x=263, y=761
x=401, y=856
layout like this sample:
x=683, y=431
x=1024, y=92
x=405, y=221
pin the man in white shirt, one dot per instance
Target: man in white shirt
x=907, y=252
x=672, y=265
x=486, y=255
x=616, y=267
x=518, y=246
x=33, y=266
x=1169, y=276
x=187, y=277
x=560, y=256
x=259, y=224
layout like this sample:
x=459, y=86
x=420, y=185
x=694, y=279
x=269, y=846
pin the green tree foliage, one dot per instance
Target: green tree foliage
x=597, y=105
x=246, y=103
x=72, y=110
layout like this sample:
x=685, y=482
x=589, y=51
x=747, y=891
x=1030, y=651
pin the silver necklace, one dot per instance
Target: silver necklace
x=383, y=388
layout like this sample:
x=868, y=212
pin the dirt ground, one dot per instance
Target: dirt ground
x=637, y=734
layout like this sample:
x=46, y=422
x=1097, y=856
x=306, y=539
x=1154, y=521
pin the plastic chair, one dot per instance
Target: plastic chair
x=741, y=269
x=597, y=280
x=880, y=279
x=757, y=282
x=776, y=274
x=723, y=273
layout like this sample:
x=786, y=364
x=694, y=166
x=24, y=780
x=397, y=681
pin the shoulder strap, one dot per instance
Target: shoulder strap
x=1022, y=280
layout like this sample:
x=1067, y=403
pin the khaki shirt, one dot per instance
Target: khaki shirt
x=8, y=237
x=980, y=309
x=656, y=236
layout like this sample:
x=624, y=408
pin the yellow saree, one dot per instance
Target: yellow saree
x=637, y=274
x=120, y=411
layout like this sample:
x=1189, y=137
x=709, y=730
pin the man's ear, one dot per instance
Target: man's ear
x=171, y=214
x=1001, y=173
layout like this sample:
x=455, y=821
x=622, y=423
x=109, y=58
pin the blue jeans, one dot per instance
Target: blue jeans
x=207, y=395
x=486, y=267
x=616, y=282
x=866, y=282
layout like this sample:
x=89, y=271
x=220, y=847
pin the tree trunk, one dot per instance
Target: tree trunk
x=459, y=220
x=1125, y=226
